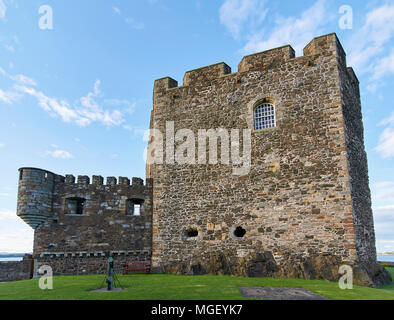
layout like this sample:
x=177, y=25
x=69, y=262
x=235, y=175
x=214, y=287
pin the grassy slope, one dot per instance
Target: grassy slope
x=174, y=287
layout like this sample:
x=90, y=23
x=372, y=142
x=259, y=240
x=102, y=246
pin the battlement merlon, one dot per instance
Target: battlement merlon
x=323, y=45
x=262, y=60
x=99, y=181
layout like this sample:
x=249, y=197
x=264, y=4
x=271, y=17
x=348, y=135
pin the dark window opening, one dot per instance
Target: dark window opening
x=239, y=232
x=75, y=205
x=134, y=206
x=191, y=232
x=20, y=174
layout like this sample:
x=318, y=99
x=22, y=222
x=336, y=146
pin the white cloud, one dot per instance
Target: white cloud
x=15, y=234
x=130, y=21
x=234, y=14
x=19, y=78
x=384, y=228
x=7, y=214
x=297, y=31
x=3, y=9
x=85, y=111
x=386, y=140
x=386, y=143
x=383, y=211
x=384, y=67
x=2, y=145
x=23, y=79
x=19, y=240
x=9, y=97
x=59, y=154
x=367, y=47
x=384, y=245
x=383, y=191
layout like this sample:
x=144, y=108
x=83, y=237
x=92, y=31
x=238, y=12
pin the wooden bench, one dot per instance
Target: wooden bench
x=137, y=266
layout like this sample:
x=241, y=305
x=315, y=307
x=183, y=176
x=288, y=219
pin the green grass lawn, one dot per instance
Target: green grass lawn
x=175, y=287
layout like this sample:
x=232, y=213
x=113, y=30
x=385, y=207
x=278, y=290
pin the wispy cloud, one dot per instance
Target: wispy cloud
x=386, y=140
x=17, y=239
x=386, y=143
x=85, y=110
x=368, y=47
x=297, y=31
x=238, y=15
x=7, y=214
x=9, y=96
x=385, y=245
x=2, y=145
x=59, y=154
x=116, y=10
x=383, y=211
x=129, y=20
x=19, y=78
x=244, y=21
x=383, y=192
x=3, y=9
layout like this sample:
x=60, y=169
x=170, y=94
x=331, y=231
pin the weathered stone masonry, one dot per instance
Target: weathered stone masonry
x=305, y=204
x=74, y=243
x=16, y=270
x=302, y=210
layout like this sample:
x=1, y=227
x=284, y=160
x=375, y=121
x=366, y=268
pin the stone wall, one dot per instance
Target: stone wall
x=16, y=270
x=104, y=226
x=85, y=263
x=298, y=204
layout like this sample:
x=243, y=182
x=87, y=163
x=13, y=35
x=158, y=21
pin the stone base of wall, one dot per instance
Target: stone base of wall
x=17, y=270
x=264, y=265
x=84, y=265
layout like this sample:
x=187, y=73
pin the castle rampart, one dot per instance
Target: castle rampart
x=83, y=218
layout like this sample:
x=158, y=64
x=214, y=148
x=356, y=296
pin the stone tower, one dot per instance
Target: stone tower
x=304, y=207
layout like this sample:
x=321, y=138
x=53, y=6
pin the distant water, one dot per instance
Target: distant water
x=388, y=258
x=11, y=259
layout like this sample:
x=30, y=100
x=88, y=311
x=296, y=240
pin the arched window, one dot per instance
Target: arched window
x=264, y=116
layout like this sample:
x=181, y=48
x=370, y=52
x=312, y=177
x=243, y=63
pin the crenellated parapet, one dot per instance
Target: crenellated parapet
x=261, y=61
x=99, y=181
x=43, y=195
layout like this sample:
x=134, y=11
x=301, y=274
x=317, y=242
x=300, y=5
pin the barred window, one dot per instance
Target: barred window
x=264, y=116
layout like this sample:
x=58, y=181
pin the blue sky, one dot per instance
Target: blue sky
x=77, y=98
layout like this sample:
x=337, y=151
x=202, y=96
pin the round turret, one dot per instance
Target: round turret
x=35, y=196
